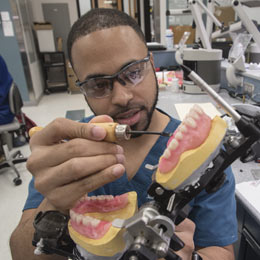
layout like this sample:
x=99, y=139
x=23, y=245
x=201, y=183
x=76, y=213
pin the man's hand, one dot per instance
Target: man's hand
x=185, y=231
x=64, y=171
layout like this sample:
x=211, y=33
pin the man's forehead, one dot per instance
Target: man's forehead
x=118, y=35
x=108, y=48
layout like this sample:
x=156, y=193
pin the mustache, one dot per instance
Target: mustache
x=120, y=110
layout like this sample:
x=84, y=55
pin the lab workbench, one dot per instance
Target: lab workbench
x=248, y=245
x=165, y=59
x=168, y=99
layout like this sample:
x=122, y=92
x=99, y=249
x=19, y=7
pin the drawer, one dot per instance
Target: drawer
x=252, y=247
x=240, y=215
x=253, y=226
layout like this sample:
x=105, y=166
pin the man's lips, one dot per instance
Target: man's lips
x=130, y=117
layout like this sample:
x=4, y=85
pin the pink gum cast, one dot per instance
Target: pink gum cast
x=192, y=139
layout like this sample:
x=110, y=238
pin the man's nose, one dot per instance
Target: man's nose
x=121, y=94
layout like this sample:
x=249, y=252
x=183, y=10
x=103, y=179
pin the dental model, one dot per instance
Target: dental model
x=189, y=151
x=90, y=224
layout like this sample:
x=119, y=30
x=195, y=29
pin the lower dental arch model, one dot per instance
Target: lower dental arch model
x=193, y=145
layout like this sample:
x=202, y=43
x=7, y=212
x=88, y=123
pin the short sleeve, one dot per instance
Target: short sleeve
x=34, y=198
x=215, y=215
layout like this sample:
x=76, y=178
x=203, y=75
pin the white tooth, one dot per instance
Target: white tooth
x=93, y=197
x=94, y=222
x=179, y=136
x=109, y=197
x=72, y=214
x=190, y=122
x=86, y=220
x=193, y=114
x=166, y=154
x=173, y=144
x=183, y=128
x=100, y=197
x=198, y=109
x=87, y=197
x=79, y=218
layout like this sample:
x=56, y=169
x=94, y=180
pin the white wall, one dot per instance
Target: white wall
x=38, y=13
x=25, y=13
x=163, y=21
x=84, y=6
x=126, y=6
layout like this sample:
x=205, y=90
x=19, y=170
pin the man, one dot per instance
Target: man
x=102, y=43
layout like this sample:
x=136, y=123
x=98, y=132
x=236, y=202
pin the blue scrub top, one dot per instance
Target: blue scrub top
x=6, y=116
x=214, y=214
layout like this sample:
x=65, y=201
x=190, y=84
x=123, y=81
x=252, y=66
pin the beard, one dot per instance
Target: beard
x=149, y=114
x=148, y=111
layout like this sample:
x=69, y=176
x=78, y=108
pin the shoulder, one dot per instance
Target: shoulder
x=173, y=123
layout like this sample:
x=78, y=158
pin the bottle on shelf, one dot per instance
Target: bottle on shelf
x=169, y=39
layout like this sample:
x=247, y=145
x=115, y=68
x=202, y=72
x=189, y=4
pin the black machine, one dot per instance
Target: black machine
x=150, y=232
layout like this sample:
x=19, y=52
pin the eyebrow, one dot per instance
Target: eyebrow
x=91, y=76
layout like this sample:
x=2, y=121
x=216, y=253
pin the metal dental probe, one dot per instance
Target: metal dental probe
x=204, y=86
x=245, y=127
x=150, y=133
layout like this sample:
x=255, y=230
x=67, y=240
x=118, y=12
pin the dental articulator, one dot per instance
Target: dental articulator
x=149, y=233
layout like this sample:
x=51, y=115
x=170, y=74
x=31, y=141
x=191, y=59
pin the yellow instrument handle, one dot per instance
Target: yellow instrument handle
x=109, y=127
x=111, y=131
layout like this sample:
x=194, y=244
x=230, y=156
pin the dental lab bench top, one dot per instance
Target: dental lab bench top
x=248, y=206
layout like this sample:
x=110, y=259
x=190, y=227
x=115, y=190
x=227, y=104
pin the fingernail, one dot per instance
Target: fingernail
x=120, y=158
x=98, y=132
x=120, y=149
x=118, y=170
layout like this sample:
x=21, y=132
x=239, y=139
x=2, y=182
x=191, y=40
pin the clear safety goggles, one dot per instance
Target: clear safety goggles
x=130, y=75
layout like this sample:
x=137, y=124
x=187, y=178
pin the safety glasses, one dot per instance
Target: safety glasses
x=100, y=87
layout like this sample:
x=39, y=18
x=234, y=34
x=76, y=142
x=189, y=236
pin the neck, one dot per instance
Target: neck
x=158, y=121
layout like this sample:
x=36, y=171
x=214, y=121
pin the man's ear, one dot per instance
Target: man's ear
x=152, y=60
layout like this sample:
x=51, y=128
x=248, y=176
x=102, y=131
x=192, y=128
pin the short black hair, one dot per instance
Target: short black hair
x=98, y=19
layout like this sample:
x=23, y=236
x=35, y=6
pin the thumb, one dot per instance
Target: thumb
x=101, y=119
x=64, y=129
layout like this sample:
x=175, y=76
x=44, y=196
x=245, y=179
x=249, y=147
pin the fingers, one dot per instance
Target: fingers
x=83, y=186
x=73, y=170
x=101, y=119
x=186, y=225
x=64, y=129
x=56, y=154
x=185, y=231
